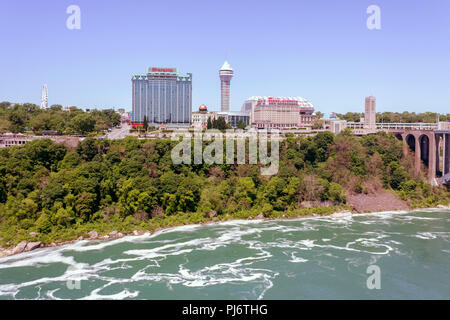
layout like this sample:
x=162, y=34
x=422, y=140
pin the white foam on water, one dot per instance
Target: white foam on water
x=236, y=233
x=384, y=214
x=185, y=228
x=169, y=249
x=151, y=254
x=308, y=243
x=296, y=259
x=51, y=295
x=247, y=268
x=344, y=214
x=13, y=288
x=239, y=222
x=425, y=235
x=410, y=218
x=221, y=273
x=124, y=294
x=369, y=243
x=97, y=245
x=268, y=284
x=37, y=257
x=208, y=276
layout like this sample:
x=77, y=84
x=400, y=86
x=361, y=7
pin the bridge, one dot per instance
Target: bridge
x=426, y=143
x=425, y=140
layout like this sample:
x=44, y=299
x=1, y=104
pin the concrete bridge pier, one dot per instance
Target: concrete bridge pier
x=438, y=139
x=433, y=157
x=404, y=144
x=417, y=154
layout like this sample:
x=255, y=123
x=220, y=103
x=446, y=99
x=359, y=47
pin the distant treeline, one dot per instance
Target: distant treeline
x=395, y=117
x=19, y=118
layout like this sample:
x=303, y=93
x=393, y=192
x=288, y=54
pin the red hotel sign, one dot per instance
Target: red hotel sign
x=162, y=69
x=278, y=101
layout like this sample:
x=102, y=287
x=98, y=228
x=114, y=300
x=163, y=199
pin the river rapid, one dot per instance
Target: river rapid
x=305, y=258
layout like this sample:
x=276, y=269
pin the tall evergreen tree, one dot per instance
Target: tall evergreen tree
x=145, y=124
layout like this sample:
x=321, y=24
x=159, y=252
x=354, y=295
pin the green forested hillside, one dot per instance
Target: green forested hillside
x=132, y=184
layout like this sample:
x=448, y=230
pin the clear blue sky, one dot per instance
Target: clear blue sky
x=317, y=49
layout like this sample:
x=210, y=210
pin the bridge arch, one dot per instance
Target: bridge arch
x=411, y=141
x=424, y=143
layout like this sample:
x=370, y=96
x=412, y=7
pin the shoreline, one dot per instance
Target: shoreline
x=7, y=252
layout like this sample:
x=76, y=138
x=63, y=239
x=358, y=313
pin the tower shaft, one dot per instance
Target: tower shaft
x=44, y=97
x=226, y=74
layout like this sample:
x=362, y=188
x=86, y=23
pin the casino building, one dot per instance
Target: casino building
x=279, y=112
x=164, y=96
x=200, y=118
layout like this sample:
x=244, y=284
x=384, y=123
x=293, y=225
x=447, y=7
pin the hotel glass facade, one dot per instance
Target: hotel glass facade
x=163, y=95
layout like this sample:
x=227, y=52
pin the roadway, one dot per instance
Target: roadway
x=117, y=133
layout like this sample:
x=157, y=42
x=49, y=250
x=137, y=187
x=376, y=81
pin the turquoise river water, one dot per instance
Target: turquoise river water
x=306, y=258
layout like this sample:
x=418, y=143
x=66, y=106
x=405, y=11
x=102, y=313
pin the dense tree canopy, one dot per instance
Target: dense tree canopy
x=218, y=123
x=19, y=118
x=49, y=189
x=397, y=117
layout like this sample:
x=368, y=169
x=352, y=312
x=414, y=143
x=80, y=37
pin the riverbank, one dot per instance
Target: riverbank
x=338, y=211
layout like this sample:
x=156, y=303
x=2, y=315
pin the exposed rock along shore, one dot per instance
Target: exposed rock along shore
x=25, y=246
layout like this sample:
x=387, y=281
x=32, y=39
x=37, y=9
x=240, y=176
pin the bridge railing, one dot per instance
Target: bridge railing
x=396, y=126
x=407, y=126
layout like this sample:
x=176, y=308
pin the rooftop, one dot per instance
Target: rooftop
x=234, y=113
x=162, y=73
x=226, y=66
x=299, y=99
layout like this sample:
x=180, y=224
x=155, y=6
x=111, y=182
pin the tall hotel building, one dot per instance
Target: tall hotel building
x=225, y=74
x=164, y=96
x=279, y=112
x=370, y=113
